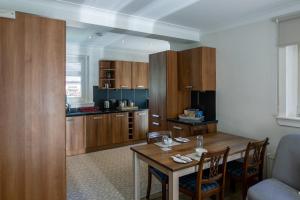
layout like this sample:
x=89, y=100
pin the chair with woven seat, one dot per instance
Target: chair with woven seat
x=153, y=137
x=249, y=169
x=209, y=182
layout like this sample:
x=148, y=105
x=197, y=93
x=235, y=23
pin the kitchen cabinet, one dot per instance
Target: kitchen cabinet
x=140, y=73
x=123, y=75
x=98, y=130
x=197, y=69
x=140, y=125
x=165, y=100
x=75, y=135
x=186, y=130
x=179, y=130
x=119, y=127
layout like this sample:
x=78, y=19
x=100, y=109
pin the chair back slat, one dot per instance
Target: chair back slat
x=254, y=156
x=156, y=136
x=216, y=171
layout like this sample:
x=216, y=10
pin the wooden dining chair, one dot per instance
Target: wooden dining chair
x=208, y=182
x=250, y=168
x=153, y=137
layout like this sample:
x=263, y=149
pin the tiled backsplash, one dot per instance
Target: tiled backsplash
x=139, y=96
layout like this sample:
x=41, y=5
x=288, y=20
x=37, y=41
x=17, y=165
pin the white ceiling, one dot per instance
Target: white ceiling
x=111, y=40
x=205, y=15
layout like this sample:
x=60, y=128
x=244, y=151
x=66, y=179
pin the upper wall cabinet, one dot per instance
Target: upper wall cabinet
x=197, y=69
x=123, y=75
x=140, y=73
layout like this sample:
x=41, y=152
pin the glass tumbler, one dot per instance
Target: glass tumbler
x=199, y=141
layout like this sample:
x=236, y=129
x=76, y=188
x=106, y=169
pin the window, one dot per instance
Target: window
x=288, y=71
x=76, y=79
x=288, y=87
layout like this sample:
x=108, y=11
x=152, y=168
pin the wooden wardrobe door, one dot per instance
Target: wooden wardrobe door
x=32, y=120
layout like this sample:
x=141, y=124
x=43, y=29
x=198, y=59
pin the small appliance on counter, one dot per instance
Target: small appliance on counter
x=125, y=105
x=195, y=115
x=106, y=104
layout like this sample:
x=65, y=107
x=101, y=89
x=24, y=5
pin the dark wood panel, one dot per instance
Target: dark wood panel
x=140, y=73
x=185, y=63
x=208, y=68
x=141, y=124
x=157, y=90
x=119, y=127
x=172, y=85
x=75, y=135
x=32, y=144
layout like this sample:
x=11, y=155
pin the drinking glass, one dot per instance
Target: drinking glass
x=164, y=139
x=199, y=142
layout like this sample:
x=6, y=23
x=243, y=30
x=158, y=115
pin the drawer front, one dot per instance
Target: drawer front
x=156, y=124
x=204, y=129
x=179, y=130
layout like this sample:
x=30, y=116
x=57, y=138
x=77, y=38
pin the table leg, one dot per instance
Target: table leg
x=173, y=186
x=136, y=176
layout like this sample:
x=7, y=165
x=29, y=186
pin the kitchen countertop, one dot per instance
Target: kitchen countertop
x=191, y=123
x=75, y=112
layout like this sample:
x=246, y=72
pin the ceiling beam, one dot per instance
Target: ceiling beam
x=94, y=16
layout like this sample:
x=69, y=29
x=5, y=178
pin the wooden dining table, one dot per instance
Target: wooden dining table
x=154, y=156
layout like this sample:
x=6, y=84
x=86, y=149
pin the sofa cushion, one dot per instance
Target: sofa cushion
x=287, y=162
x=272, y=189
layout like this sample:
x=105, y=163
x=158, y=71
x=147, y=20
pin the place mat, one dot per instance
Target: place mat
x=160, y=144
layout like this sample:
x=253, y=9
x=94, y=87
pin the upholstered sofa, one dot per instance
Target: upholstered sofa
x=285, y=181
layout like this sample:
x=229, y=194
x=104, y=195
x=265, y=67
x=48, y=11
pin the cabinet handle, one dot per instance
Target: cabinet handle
x=142, y=114
x=98, y=118
x=177, y=127
x=124, y=86
x=155, y=116
x=155, y=123
x=70, y=120
x=140, y=86
x=189, y=87
x=120, y=115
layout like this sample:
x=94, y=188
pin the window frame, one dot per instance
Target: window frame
x=84, y=59
x=283, y=117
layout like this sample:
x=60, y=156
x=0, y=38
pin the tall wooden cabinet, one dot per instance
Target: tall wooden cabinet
x=32, y=120
x=197, y=69
x=165, y=100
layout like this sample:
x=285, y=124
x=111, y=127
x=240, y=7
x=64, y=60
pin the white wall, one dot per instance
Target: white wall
x=247, y=81
x=96, y=54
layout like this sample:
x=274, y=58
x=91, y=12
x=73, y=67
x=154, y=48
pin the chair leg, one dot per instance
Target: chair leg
x=244, y=190
x=232, y=184
x=149, y=185
x=164, y=190
x=221, y=195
